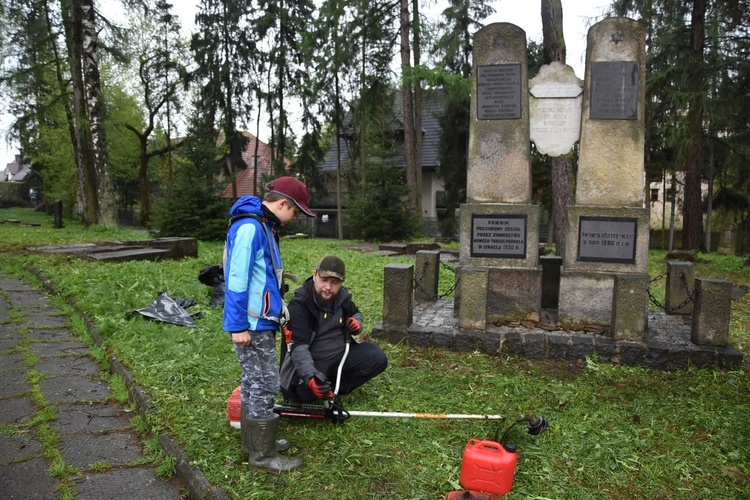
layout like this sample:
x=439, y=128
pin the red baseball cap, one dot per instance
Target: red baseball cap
x=294, y=190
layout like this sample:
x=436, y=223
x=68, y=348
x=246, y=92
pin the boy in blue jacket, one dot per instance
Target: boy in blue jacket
x=254, y=309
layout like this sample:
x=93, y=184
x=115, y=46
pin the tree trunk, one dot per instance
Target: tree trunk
x=672, y=211
x=710, y=200
x=417, y=109
x=63, y=87
x=339, y=207
x=552, y=31
x=145, y=197
x=106, y=205
x=408, y=105
x=693, y=216
x=562, y=166
x=82, y=143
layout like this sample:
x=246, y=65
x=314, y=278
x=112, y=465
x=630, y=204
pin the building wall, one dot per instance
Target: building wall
x=661, y=203
x=431, y=184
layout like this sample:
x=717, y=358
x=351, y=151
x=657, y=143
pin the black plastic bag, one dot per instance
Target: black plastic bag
x=213, y=276
x=169, y=310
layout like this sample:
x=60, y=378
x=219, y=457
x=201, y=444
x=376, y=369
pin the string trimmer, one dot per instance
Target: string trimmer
x=332, y=409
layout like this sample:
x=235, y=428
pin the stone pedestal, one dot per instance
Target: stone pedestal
x=630, y=307
x=711, y=312
x=585, y=299
x=728, y=241
x=398, y=295
x=427, y=275
x=503, y=239
x=473, y=291
x=680, y=286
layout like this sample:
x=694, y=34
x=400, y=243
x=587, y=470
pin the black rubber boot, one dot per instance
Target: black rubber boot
x=281, y=444
x=261, y=441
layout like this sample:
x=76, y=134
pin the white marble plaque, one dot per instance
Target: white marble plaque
x=555, y=104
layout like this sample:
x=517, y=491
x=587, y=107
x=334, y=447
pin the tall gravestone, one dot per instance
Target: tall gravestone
x=498, y=223
x=608, y=224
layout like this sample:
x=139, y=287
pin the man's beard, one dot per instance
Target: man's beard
x=323, y=302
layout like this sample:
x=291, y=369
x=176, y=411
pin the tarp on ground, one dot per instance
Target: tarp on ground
x=169, y=310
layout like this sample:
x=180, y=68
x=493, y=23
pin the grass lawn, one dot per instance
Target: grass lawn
x=615, y=432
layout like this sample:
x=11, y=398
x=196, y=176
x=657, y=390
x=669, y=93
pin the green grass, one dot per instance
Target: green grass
x=615, y=432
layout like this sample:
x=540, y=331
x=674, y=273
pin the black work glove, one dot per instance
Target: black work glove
x=319, y=385
x=353, y=326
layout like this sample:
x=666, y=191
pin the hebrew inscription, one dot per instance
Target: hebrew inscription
x=607, y=239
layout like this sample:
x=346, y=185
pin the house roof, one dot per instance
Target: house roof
x=245, y=178
x=433, y=106
x=17, y=170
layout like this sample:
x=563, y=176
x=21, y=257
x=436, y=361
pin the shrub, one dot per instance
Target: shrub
x=380, y=210
x=191, y=207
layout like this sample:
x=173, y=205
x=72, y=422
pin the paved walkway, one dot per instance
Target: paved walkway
x=60, y=433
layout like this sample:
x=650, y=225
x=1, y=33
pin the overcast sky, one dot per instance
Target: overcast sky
x=578, y=16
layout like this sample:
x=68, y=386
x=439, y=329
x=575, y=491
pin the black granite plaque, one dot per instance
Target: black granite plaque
x=607, y=239
x=614, y=90
x=499, y=92
x=498, y=235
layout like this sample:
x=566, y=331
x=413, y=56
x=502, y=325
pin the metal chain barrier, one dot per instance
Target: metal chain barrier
x=688, y=299
x=431, y=296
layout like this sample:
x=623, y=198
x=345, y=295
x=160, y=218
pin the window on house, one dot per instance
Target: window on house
x=655, y=194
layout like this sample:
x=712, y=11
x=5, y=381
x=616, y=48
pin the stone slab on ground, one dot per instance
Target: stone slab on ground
x=20, y=446
x=125, y=483
x=68, y=366
x=16, y=411
x=17, y=480
x=129, y=254
x=72, y=389
x=97, y=417
x=115, y=449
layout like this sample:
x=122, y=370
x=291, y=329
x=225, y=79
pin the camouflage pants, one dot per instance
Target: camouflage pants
x=260, y=375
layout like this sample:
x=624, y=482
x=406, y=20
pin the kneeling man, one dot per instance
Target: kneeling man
x=323, y=320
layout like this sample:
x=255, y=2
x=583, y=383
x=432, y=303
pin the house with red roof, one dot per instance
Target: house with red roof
x=250, y=180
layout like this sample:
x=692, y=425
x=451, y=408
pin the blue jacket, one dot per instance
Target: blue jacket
x=252, y=298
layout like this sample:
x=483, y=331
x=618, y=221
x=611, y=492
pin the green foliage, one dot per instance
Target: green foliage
x=379, y=211
x=122, y=144
x=190, y=207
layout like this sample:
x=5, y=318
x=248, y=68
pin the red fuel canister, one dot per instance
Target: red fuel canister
x=234, y=408
x=488, y=467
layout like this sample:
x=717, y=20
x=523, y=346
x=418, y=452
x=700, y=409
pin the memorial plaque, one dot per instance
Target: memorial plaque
x=607, y=239
x=614, y=90
x=499, y=92
x=498, y=235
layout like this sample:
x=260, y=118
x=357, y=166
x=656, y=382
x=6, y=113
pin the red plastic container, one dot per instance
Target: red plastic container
x=488, y=467
x=234, y=407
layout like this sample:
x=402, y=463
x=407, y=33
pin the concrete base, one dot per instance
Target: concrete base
x=512, y=294
x=585, y=299
x=666, y=344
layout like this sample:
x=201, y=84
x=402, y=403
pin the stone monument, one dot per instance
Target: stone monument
x=498, y=223
x=608, y=224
